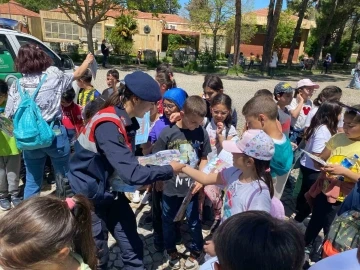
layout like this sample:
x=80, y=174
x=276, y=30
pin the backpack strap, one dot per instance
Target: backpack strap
x=253, y=195
x=39, y=86
x=208, y=120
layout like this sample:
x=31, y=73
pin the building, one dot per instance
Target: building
x=257, y=42
x=31, y=22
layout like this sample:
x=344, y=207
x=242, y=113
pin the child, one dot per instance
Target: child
x=283, y=94
x=329, y=93
x=87, y=92
x=10, y=161
x=112, y=79
x=248, y=184
x=47, y=233
x=219, y=130
x=219, y=127
x=328, y=192
x=165, y=77
x=189, y=137
x=281, y=244
x=300, y=107
x=212, y=86
x=322, y=127
x=71, y=115
x=173, y=101
x=260, y=113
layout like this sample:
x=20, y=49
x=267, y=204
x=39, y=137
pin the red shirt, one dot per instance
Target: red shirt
x=72, y=118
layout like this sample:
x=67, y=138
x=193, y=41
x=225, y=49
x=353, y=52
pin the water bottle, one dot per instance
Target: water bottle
x=349, y=162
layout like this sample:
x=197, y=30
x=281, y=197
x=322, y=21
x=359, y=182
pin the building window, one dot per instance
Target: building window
x=61, y=30
x=96, y=31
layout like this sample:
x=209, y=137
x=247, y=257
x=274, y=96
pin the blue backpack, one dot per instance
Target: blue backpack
x=31, y=131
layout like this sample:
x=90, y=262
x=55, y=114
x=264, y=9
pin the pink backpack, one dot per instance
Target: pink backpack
x=277, y=208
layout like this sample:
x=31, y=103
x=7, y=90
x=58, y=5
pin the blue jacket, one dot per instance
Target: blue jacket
x=105, y=145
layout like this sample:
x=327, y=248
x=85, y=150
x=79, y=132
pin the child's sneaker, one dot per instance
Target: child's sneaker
x=174, y=260
x=15, y=201
x=5, y=204
x=136, y=197
x=191, y=262
x=145, y=198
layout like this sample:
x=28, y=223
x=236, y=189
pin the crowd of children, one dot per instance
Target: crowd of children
x=50, y=233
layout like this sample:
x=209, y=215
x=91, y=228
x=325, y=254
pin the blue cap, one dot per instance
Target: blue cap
x=143, y=86
x=176, y=95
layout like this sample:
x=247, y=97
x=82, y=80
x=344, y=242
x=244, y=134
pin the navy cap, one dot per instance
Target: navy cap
x=143, y=86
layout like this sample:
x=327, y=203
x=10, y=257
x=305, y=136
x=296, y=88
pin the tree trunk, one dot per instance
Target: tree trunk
x=297, y=32
x=90, y=38
x=272, y=23
x=214, y=44
x=237, y=32
x=338, y=41
x=352, y=39
x=324, y=32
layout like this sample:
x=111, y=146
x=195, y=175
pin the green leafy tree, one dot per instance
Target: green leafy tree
x=248, y=28
x=121, y=36
x=211, y=16
x=284, y=33
x=155, y=6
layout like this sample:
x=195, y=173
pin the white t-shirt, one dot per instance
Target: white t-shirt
x=238, y=194
x=215, y=146
x=299, y=122
x=343, y=261
x=313, y=111
x=315, y=144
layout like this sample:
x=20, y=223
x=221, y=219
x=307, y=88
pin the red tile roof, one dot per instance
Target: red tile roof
x=15, y=8
x=264, y=13
x=184, y=33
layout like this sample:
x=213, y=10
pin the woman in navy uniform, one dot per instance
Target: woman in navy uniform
x=106, y=146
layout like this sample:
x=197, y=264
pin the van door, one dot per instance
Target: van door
x=7, y=61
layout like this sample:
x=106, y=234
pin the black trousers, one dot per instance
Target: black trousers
x=309, y=178
x=322, y=216
x=156, y=217
x=117, y=218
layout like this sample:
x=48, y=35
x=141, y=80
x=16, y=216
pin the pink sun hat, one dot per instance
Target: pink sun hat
x=306, y=82
x=254, y=143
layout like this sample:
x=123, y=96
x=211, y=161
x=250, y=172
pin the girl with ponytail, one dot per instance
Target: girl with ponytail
x=47, y=233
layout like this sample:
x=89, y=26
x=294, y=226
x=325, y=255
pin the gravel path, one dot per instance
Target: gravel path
x=242, y=88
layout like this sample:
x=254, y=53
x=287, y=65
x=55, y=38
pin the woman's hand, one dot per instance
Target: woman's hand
x=209, y=248
x=89, y=58
x=177, y=167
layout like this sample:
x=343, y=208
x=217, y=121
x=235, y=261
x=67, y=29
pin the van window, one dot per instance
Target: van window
x=25, y=40
x=7, y=56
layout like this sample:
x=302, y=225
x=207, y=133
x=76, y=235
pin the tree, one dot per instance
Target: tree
x=155, y=6
x=237, y=32
x=284, y=33
x=121, y=36
x=302, y=9
x=271, y=28
x=34, y=5
x=211, y=15
x=354, y=29
x=89, y=13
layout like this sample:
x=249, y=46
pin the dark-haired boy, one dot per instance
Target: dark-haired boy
x=87, y=92
x=261, y=113
x=283, y=93
x=190, y=138
x=71, y=114
x=112, y=79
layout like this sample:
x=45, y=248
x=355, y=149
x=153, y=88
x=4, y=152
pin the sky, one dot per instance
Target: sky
x=258, y=4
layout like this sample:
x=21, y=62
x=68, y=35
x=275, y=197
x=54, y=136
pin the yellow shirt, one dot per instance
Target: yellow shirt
x=342, y=147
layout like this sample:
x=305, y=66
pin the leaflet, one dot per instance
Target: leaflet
x=6, y=126
x=316, y=158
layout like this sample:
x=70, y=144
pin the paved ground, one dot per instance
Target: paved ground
x=240, y=89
